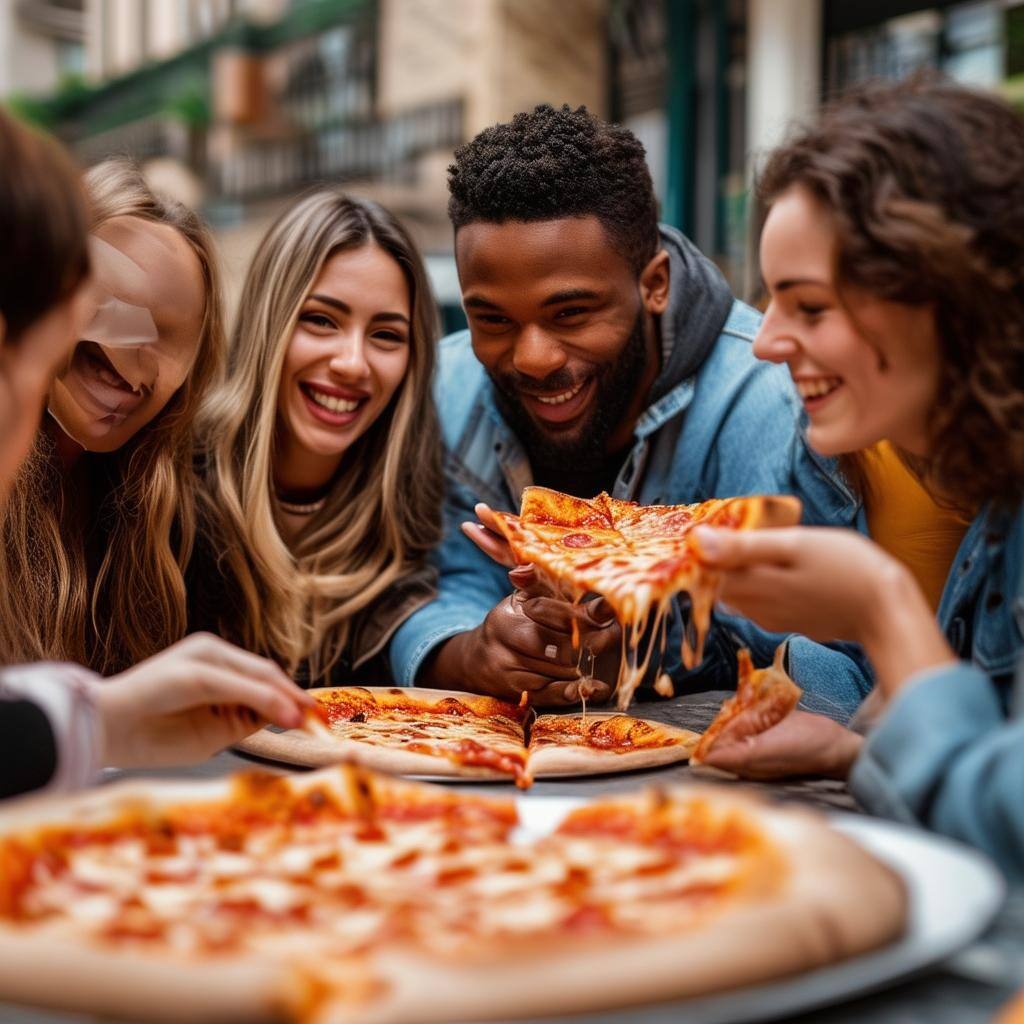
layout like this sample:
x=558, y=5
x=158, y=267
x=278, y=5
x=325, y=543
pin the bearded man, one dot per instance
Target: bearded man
x=604, y=352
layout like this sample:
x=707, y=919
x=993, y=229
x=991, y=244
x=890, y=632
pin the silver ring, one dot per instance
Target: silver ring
x=551, y=652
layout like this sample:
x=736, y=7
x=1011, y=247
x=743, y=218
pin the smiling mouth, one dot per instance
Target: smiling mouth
x=817, y=388
x=111, y=396
x=101, y=367
x=562, y=396
x=330, y=402
x=336, y=410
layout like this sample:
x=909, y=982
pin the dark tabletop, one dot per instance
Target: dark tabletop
x=964, y=990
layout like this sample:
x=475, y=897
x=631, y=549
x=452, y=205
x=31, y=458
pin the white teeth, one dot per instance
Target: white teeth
x=331, y=403
x=817, y=387
x=563, y=397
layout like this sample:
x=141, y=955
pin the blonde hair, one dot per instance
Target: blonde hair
x=382, y=514
x=111, y=608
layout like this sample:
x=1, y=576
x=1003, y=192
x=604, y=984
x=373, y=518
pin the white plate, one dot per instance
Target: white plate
x=954, y=894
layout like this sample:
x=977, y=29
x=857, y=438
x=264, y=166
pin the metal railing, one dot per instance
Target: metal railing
x=367, y=148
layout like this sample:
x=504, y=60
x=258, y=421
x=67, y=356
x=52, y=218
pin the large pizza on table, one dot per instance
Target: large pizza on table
x=638, y=557
x=450, y=734
x=344, y=895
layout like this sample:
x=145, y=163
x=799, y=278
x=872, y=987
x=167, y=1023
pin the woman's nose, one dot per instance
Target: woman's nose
x=773, y=342
x=349, y=358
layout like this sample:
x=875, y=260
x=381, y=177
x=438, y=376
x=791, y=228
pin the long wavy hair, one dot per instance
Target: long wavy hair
x=112, y=602
x=382, y=514
x=925, y=184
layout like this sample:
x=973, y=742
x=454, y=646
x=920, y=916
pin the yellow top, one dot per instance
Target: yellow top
x=904, y=519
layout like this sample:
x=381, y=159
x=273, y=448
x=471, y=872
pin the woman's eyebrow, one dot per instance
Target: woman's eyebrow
x=345, y=308
x=793, y=282
x=327, y=300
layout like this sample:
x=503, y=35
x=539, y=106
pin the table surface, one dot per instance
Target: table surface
x=966, y=989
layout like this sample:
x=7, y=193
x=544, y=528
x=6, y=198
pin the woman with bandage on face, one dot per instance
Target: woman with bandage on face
x=100, y=521
x=58, y=721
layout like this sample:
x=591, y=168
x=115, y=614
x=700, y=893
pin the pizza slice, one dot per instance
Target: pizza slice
x=596, y=743
x=408, y=732
x=764, y=697
x=638, y=557
x=458, y=735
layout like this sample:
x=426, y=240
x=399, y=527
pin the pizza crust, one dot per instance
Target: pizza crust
x=305, y=750
x=839, y=902
x=577, y=759
x=129, y=985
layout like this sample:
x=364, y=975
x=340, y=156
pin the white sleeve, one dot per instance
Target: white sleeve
x=66, y=695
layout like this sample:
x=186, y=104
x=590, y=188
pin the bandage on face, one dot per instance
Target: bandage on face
x=141, y=344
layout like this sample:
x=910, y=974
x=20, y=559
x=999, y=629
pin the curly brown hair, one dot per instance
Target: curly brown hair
x=925, y=182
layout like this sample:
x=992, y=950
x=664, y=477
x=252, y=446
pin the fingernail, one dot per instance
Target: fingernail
x=572, y=691
x=600, y=614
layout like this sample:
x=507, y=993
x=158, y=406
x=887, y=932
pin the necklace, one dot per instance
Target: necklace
x=295, y=508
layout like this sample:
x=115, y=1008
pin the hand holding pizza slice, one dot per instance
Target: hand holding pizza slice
x=637, y=557
x=760, y=734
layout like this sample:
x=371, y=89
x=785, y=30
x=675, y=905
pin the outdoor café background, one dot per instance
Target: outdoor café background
x=236, y=105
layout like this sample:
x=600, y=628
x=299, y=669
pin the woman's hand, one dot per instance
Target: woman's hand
x=828, y=584
x=819, y=582
x=192, y=700
x=801, y=744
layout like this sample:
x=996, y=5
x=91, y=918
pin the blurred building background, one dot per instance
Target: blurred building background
x=236, y=105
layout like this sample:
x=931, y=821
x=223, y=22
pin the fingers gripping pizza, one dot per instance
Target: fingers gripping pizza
x=638, y=557
x=449, y=733
x=343, y=895
x=764, y=697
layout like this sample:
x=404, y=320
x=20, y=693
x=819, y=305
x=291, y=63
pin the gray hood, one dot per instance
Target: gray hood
x=699, y=303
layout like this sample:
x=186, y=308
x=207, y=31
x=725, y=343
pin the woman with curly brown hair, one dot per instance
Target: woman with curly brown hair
x=893, y=253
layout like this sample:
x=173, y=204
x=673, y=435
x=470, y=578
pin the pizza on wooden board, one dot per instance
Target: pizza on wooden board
x=412, y=731
x=344, y=895
x=638, y=557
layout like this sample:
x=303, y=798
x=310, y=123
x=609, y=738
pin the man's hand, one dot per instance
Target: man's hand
x=488, y=538
x=801, y=744
x=525, y=643
x=192, y=700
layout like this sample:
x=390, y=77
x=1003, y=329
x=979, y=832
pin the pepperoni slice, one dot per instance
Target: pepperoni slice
x=578, y=540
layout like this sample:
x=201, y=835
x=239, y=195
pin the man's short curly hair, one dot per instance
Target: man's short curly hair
x=550, y=164
x=925, y=184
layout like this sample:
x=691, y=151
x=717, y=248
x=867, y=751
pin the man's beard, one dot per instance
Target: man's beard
x=585, y=447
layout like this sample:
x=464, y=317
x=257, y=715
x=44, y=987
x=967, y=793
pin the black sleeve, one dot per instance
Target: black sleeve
x=28, y=750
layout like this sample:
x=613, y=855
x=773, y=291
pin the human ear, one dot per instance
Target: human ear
x=654, y=283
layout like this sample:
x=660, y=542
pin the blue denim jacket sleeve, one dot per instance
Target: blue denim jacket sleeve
x=835, y=677
x=469, y=585
x=946, y=756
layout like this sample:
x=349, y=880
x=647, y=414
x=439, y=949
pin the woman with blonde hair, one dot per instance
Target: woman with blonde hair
x=322, y=449
x=100, y=521
x=59, y=722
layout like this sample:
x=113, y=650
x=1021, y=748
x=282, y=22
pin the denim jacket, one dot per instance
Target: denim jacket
x=949, y=752
x=731, y=428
